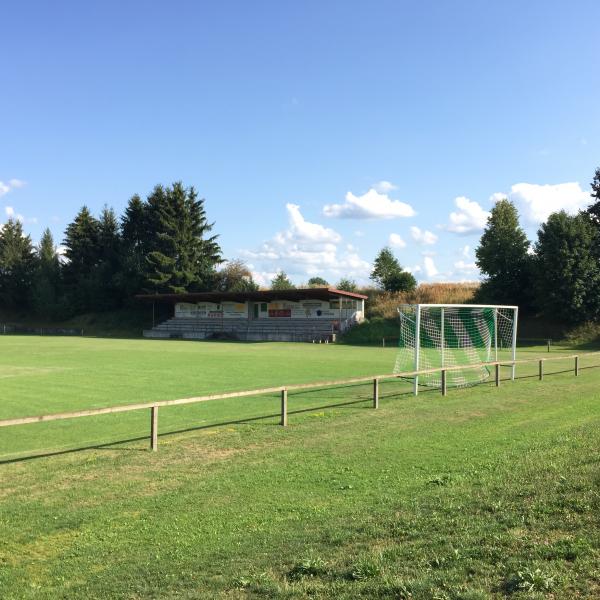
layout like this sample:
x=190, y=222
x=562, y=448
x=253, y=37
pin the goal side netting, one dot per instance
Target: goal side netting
x=436, y=336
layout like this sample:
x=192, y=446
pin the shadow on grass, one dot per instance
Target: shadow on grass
x=348, y=404
x=248, y=420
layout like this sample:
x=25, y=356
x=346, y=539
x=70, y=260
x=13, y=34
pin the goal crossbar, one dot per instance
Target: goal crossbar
x=455, y=335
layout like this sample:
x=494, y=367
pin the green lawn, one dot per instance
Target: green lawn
x=482, y=494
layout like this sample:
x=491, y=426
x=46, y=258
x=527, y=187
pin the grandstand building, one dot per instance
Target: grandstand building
x=313, y=314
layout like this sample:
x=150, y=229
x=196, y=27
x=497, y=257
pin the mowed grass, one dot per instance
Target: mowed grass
x=486, y=493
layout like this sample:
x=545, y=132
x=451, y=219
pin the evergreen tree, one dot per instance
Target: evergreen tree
x=235, y=277
x=182, y=258
x=82, y=256
x=568, y=268
x=594, y=209
x=134, y=226
x=45, y=295
x=282, y=282
x=389, y=276
x=16, y=266
x=136, y=243
x=106, y=276
x=317, y=282
x=503, y=257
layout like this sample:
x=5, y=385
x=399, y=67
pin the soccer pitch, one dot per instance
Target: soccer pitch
x=475, y=495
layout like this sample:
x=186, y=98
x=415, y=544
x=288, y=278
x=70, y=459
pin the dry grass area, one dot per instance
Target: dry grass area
x=385, y=304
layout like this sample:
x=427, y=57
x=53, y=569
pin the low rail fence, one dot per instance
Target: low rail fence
x=283, y=392
x=7, y=328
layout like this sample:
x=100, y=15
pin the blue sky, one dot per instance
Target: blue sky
x=318, y=132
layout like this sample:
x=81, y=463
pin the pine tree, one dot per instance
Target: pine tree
x=137, y=237
x=82, y=257
x=45, y=296
x=503, y=257
x=134, y=225
x=17, y=266
x=182, y=258
x=281, y=282
x=106, y=275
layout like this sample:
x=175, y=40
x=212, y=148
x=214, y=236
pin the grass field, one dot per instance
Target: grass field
x=487, y=493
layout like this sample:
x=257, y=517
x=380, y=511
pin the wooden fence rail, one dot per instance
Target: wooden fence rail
x=283, y=392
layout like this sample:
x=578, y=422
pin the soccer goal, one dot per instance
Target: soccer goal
x=455, y=335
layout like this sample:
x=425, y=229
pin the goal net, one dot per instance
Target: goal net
x=455, y=335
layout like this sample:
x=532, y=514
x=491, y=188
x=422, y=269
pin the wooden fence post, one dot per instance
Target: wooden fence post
x=375, y=393
x=154, y=428
x=444, y=383
x=497, y=374
x=284, y=417
x=541, y=370
x=576, y=366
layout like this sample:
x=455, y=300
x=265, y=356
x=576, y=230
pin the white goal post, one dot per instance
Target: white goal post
x=455, y=335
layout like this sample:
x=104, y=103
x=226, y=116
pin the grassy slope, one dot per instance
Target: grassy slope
x=427, y=497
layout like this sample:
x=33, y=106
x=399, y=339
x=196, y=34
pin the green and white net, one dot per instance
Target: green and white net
x=454, y=336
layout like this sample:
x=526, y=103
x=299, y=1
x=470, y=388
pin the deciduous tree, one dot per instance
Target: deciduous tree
x=568, y=268
x=503, y=257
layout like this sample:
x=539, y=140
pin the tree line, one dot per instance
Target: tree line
x=164, y=244
x=557, y=276
x=161, y=244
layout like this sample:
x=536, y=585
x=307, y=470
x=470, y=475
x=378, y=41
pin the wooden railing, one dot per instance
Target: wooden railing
x=284, y=390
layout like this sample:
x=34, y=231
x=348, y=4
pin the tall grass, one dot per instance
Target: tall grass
x=385, y=304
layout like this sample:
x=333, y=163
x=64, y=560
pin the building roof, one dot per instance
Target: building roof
x=294, y=295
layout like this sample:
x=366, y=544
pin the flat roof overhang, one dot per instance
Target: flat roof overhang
x=295, y=295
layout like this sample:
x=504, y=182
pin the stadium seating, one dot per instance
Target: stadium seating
x=281, y=330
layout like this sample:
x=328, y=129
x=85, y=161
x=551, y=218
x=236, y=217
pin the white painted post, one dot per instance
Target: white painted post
x=417, y=346
x=495, y=334
x=442, y=335
x=284, y=409
x=514, y=341
x=154, y=428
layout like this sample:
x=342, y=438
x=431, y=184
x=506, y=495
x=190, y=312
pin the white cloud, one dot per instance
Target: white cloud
x=422, y=236
x=384, y=187
x=305, y=249
x=536, y=202
x=371, y=205
x=469, y=218
x=396, y=241
x=465, y=251
x=496, y=197
x=359, y=233
x=12, y=214
x=12, y=184
x=430, y=268
x=303, y=230
x=463, y=266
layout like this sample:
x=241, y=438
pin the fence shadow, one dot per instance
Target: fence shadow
x=294, y=393
x=111, y=445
